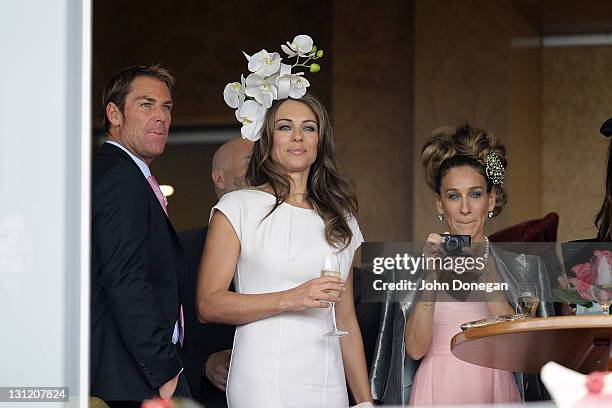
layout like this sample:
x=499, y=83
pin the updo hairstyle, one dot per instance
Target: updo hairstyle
x=448, y=148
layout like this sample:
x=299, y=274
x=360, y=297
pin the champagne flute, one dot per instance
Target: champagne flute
x=528, y=300
x=601, y=283
x=331, y=267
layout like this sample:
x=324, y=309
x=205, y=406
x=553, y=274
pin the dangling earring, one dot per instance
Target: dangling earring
x=441, y=217
x=490, y=214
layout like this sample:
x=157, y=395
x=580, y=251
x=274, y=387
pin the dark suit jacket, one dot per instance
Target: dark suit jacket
x=136, y=272
x=201, y=340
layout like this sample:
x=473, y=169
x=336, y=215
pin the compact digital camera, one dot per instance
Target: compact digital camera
x=453, y=244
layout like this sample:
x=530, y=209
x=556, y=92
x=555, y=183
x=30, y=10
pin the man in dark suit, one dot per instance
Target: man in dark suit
x=207, y=347
x=137, y=265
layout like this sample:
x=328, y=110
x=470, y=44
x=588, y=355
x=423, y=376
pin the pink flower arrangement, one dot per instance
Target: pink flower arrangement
x=582, y=281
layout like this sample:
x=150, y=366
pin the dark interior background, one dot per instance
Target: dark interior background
x=392, y=72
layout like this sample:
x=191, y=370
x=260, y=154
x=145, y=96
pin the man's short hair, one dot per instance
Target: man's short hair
x=119, y=86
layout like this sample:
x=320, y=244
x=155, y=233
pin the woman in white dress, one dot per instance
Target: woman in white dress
x=270, y=239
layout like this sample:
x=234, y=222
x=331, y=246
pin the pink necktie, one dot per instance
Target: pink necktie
x=163, y=201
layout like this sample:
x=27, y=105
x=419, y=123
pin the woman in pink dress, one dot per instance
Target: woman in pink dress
x=413, y=364
x=465, y=169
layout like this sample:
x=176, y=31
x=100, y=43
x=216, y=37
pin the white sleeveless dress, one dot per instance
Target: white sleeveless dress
x=283, y=360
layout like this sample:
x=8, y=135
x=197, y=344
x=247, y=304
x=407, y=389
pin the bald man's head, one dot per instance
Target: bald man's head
x=229, y=165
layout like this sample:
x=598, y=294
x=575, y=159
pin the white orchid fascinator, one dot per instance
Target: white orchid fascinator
x=269, y=80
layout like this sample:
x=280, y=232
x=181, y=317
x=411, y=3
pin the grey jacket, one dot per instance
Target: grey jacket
x=392, y=370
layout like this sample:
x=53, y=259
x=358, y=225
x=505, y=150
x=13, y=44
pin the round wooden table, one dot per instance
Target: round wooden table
x=582, y=343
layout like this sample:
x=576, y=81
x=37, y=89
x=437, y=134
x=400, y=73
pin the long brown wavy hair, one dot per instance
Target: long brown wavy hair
x=331, y=194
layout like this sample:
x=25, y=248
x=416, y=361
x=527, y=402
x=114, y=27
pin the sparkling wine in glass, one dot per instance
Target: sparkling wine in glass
x=528, y=300
x=331, y=267
x=601, y=283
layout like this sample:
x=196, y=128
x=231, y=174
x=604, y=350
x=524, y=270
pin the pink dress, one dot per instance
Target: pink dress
x=444, y=379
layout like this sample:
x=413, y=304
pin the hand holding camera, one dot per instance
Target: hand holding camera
x=446, y=244
x=433, y=246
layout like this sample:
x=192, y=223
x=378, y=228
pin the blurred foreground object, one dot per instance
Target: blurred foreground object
x=570, y=389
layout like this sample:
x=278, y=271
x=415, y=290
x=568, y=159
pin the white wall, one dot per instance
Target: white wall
x=44, y=189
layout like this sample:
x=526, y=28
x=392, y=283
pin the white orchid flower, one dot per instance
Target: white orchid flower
x=264, y=63
x=233, y=94
x=269, y=80
x=298, y=85
x=292, y=85
x=301, y=45
x=262, y=89
x=251, y=114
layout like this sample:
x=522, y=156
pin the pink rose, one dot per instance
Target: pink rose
x=583, y=288
x=582, y=271
x=582, y=281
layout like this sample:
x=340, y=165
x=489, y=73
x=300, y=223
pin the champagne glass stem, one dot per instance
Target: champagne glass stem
x=333, y=306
